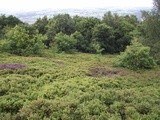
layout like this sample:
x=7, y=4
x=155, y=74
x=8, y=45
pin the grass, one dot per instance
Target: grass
x=77, y=87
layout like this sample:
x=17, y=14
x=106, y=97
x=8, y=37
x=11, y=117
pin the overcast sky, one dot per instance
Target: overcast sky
x=17, y=5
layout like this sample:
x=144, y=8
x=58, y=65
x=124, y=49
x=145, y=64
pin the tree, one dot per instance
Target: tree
x=65, y=43
x=9, y=22
x=124, y=29
x=81, y=42
x=41, y=25
x=111, y=20
x=85, y=27
x=19, y=42
x=30, y=28
x=136, y=56
x=104, y=35
x=151, y=30
x=60, y=23
x=123, y=35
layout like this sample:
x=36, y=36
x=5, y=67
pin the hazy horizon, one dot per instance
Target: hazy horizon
x=30, y=5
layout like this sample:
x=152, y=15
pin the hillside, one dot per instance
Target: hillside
x=31, y=16
x=76, y=87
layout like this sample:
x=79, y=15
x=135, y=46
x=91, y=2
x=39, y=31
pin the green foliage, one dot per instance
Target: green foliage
x=151, y=33
x=113, y=33
x=60, y=23
x=80, y=86
x=65, y=43
x=41, y=25
x=19, y=42
x=114, y=20
x=104, y=35
x=151, y=30
x=95, y=47
x=58, y=87
x=85, y=27
x=136, y=56
x=37, y=109
x=123, y=30
x=9, y=22
x=81, y=42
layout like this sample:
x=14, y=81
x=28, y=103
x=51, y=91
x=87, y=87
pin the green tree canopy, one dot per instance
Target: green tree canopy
x=65, y=43
x=104, y=35
x=9, y=22
x=136, y=56
x=151, y=30
x=85, y=27
x=60, y=23
x=41, y=25
x=19, y=42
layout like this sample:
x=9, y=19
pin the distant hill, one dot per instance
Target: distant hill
x=30, y=17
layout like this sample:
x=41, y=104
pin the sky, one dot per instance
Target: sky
x=30, y=5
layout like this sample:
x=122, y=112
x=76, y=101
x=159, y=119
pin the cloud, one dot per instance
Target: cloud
x=55, y=4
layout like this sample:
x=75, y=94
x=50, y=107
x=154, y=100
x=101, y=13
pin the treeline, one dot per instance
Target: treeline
x=64, y=33
x=84, y=34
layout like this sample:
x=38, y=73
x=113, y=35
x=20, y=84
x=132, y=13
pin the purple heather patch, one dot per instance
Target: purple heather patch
x=11, y=66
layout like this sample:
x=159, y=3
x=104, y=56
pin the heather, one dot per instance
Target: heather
x=76, y=86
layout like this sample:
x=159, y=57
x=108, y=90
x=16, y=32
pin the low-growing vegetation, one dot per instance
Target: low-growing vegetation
x=76, y=87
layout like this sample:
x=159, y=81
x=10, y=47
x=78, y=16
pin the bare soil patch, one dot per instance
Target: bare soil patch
x=101, y=71
x=12, y=66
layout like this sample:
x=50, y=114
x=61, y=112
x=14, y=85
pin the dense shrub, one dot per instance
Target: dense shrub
x=37, y=109
x=81, y=42
x=85, y=26
x=59, y=88
x=136, y=56
x=104, y=35
x=59, y=23
x=151, y=34
x=65, y=43
x=95, y=47
x=113, y=33
x=19, y=42
x=8, y=22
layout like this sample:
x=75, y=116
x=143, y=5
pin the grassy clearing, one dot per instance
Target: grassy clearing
x=77, y=87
